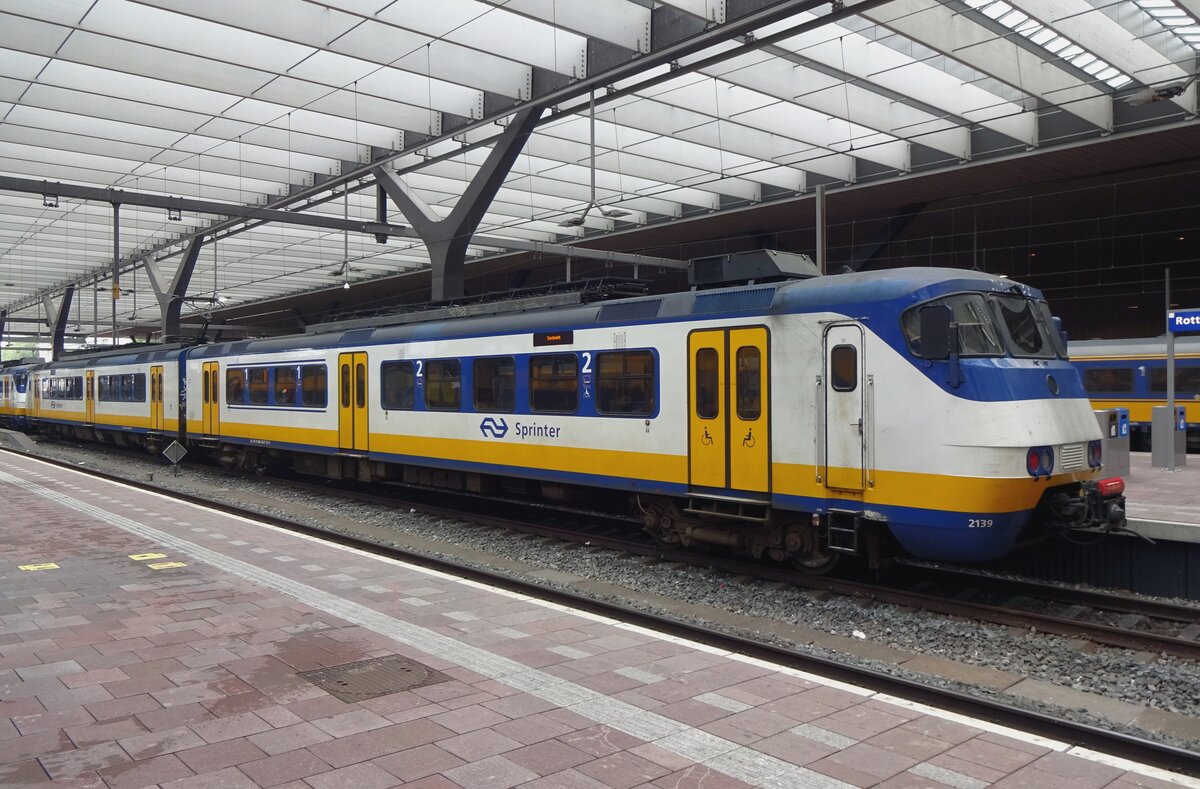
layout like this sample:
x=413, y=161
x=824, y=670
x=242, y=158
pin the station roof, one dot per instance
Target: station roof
x=676, y=110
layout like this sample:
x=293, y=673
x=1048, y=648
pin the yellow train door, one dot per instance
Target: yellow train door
x=352, y=402
x=156, y=397
x=729, y=424
x=211, y=397
x=89, y=397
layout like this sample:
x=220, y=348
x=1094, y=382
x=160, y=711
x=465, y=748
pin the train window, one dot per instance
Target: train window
x=139, y=388
x=204, y=387
x=360, y=385
x=1187, y=380
x=1108, y=379
x=708, y=383
x=495, y=382
x=1052, y=328
x=314, y=386
x=443, y=384
x=285, y=386
x=256, y=384
x=625, y=382
x=235, y=387
x=749, y=383
x=843, y=368
x=397, y=385
x=345, y=380
x=977, y=335
x=1027, y=336
x=554, y=383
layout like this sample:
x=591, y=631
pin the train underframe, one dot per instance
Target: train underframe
x=812, y=542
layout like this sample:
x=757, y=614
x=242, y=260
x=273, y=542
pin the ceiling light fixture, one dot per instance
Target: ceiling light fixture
x=611, y=213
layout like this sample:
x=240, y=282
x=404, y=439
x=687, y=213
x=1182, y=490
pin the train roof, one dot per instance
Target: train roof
x=838, y=293
x=124, y=355
x=1134, y=347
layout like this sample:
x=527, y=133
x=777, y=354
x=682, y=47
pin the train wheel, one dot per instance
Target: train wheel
x=807, y=552
x=659, y=520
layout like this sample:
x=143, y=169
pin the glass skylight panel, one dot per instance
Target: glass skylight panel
x=1037, y=33
x=1175, y=18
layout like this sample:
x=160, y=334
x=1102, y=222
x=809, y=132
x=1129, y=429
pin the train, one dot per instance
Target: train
x=1132, y=374
x=924, y=412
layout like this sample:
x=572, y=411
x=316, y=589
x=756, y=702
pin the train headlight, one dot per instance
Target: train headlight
x=1039, y=462
x=1095, y=454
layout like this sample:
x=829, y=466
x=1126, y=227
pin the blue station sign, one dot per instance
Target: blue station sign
x=1181, y=321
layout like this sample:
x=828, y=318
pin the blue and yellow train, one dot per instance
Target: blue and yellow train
x=926, y=411
x=1132, y=374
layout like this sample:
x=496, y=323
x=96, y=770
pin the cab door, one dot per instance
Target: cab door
x=352, y=402
x=89, y=397
x=211, y=398
x=729, y=436
x=156, y=397
x=845, y=430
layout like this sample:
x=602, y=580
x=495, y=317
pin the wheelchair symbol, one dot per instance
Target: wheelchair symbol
x=748, y=441
x=706, y=439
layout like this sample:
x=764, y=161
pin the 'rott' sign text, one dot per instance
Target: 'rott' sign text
x=1184, y=320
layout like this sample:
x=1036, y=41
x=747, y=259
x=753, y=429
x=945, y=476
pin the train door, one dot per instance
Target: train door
x=89, y=397
x=156, y=397
x=729, y=426
x=211, y=397
x=352, y=402
x=845, y=432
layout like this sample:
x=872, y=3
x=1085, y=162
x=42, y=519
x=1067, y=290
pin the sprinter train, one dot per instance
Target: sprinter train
x=929, y=412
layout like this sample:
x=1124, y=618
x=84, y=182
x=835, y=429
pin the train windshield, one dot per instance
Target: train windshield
x=1028, y=326
x=977, y=334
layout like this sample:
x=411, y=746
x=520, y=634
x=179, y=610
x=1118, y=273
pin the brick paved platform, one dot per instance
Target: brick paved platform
x=1164, y=504
x=123, y=668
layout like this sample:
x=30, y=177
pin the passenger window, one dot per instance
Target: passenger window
x=204, y=387
x=1111, y=379
x=345, y=381
x=139, y=387
x=443, y=384
x=749, y=383
x=708, y=383
x=554, y=383
x=360, y=385
x=843, y=368
x=625, y=383
x=1187, y=380
x=256, y=384
x=314, y=386
x=235, y=387
x=495, y=382
x=285, y=386
x=397, y=385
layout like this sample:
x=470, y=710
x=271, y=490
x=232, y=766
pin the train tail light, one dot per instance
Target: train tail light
x=1113, y=486
x=1039, y=462
x=1095, y=454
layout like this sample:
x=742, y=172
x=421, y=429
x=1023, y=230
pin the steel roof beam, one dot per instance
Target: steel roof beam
x=951, y=33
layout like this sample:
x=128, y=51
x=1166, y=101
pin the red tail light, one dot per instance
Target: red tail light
x=1113, y=486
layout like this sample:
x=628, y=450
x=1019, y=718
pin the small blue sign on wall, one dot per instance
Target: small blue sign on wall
x=1184, y=320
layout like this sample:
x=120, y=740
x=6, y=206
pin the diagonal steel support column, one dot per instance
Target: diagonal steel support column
x=3, y=320
x=58, y=318
x=170, y=300
x=447, y=239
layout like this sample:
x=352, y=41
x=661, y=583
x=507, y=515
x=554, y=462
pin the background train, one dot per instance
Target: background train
x=1132, y=374
x=926, y=411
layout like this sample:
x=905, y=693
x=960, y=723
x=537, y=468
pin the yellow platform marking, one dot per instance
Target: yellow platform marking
x=141, y=557
x=46, y=566
x=166, y=565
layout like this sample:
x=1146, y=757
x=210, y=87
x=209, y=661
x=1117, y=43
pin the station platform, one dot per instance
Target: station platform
x=1163, y=505
x=146, y=641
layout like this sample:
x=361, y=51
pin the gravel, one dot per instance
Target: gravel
x=1161, y=681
